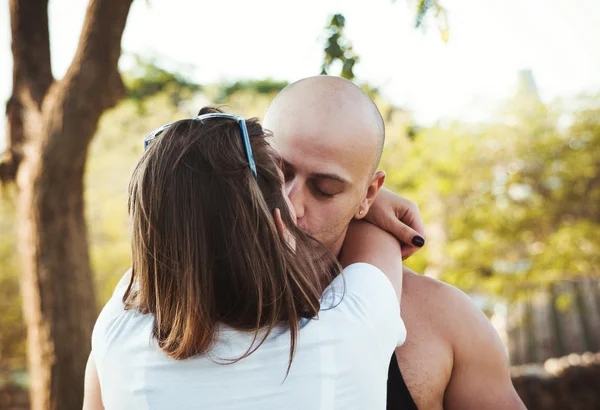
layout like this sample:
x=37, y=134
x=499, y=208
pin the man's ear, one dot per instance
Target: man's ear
x=375, y=185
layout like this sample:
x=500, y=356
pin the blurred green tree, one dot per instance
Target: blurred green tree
x=267, y=86
x=147, y=79
x=338, y=49
x=513, y=202
x=12, y=327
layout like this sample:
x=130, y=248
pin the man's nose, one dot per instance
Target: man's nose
x=295, y=193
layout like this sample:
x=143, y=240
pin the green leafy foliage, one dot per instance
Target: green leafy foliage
x=267, y=86
x=147, y=79
x=12, y=329
x=338, y=48
x=513, y=202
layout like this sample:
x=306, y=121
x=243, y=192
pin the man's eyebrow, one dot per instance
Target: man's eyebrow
x=334, y=177
x=317, y=175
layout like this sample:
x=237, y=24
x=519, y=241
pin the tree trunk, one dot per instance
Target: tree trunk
x=50, y=126
x=57, y=284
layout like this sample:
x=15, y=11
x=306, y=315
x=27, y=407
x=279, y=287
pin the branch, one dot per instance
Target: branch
x=11, y=158
x=32, y=72
x=92, y=83
x=95, y=65
x=32, y=76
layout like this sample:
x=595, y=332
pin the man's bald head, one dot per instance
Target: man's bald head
x=330, y=136
x=333, y=100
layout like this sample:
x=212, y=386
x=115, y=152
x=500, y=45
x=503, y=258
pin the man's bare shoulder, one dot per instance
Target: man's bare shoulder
x=422, y=285
x=447, y=308
x=466, y=347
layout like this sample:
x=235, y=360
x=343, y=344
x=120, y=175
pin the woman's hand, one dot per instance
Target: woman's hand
x=400, y=217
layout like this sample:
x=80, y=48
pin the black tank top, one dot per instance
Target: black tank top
x=398, y=396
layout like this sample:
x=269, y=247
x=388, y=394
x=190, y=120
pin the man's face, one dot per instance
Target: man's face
x=326, y=176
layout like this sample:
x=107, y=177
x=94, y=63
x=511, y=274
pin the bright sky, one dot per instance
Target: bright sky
x=490, y=41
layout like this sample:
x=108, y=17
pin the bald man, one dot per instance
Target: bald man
x=330, y=136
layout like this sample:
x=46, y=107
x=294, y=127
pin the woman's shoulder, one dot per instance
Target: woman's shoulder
x=362, y=299
x=362, y=285
x=115, y=319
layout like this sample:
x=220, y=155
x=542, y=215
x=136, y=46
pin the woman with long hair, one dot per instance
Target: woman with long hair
x=228, y=305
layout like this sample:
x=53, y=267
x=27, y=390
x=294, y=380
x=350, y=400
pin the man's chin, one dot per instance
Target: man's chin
x=329, y=242
x=307, y=231
x=315, y=235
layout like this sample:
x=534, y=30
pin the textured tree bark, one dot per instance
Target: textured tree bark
x=50, y=126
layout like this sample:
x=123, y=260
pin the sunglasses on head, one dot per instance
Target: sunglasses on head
x=240, y=120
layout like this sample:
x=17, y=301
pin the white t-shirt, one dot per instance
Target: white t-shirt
x=341, y=360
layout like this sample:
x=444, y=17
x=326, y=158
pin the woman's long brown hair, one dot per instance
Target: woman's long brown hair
x=205, y=248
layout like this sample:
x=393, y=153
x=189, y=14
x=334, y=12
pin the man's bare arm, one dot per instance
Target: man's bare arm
x=480, y=375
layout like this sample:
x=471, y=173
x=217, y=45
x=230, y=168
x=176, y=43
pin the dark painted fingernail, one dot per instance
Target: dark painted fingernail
x=418, y=241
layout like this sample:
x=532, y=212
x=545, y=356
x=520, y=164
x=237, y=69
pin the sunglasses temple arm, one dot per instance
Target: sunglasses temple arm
x=248, y=148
